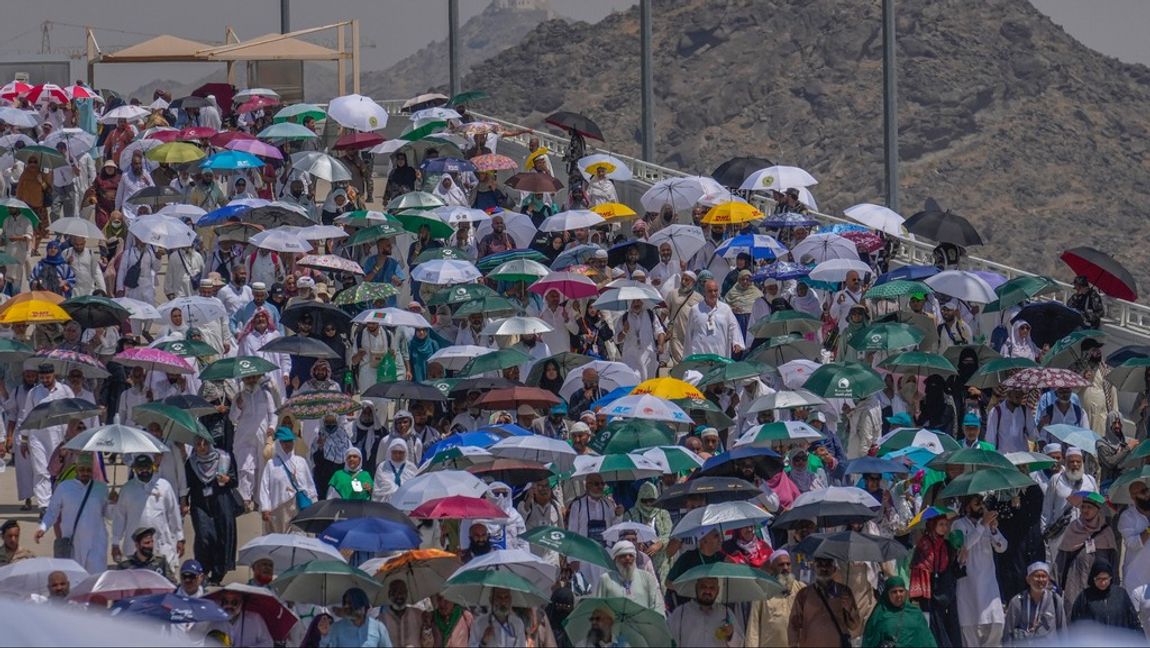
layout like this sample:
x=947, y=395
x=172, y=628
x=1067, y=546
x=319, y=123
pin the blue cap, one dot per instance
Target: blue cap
x=902, y=419
x=191, y=567
x=971, y=420
x=284, y=434
x=561, y=408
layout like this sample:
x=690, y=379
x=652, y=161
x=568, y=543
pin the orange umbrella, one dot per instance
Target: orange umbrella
x=33, y=311
x=423, y=570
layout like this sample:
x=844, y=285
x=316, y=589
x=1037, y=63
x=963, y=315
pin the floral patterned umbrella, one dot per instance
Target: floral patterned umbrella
x=330, y=262
x=1044, y=377
x=494, y=162
x=316, y=405
x=866, y=242
x=364, y=293
x=153, y=360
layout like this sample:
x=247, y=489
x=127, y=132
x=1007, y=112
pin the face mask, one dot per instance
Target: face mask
x=263, y=579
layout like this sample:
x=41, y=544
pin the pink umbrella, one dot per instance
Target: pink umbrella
x=258, y=102
x=113, y=585
x=865, y=242
x=255, y=147
x=197, y=133
x=223, y=138
x=165, y=135
x=153, y=360
x=494, y=162
x=569, y=284
x=47, y=92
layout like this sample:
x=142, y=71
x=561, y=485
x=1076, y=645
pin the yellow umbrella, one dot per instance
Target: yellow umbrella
x=530, y=163
x=34, y=311
x=613, y=210
x=32, y=295
x=731, y=213
x=669, y=388
x=175, y=153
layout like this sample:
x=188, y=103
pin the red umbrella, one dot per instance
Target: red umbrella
x=515, y=396
x=258, y=102
x=81, y=92
x=263, y=602
x=223, y=138
x=197, y=133
x=1103, y=271
x=534, y=182
x=355, y=141
x=1043, y=378
x=513, y=472
x=14, y=89
x=47, y=92
x=458, y=507
x=165, y=135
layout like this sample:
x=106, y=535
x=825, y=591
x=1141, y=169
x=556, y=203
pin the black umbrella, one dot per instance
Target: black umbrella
x=943, y=226
x=1049, y=321
x=156, y=196
x=574, y=121
x=320, y=313
x=300, y=345
x=713, y=490
x=408, y=389
x=767, y=463
x=534, y=182
x=95, y=312
x=825, y=514
x=183, y=103
x=512, y=472
x=196, y=405
x=58, y=412
x=319, y=516
x=732, y=172
x=277, y=214
x=850, y=546
x=648, y=254
x=481, y=383
x=1125, y=353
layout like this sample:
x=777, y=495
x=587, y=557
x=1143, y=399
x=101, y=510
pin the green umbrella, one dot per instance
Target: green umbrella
x=466, y=97
x=492, y=261
x=50, y=158
x=460, y=294
x=413, y=221
x=701, y=362
x=902, y=438
x=374, y=233
x=784, y=348
x=566, y=361
x=520, y=270
x=299, y=112
x=1066, y=351
x=704, y=412
x=494, y=361
x=323, y=582
x=737, y=583
x=5, y=258
x=885, y=337
x=177, y=425
x=17, y=205
x=987, y=480
x=970, y=457
x=424, y=130
x=364, y=293
x=569, y=544
x=785, y=323
x=470, y=587
x=896, y=289
x=187, y=348
x=415, y=200
x=635, y=625
x=677, y=458
x=1130, y=376
x=628, y=435
x=992, y=373
x=1119, y=491
x=449, y=253
x=984, y=353
x=487, y=306
x=844, y=380
x=237, y=367
x=919, y=363
x=1020, y=289
x=14, y=350
x=365, y=218
x=735, y=371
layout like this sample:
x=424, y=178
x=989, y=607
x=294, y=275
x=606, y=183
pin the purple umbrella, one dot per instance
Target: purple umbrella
x=255, y=147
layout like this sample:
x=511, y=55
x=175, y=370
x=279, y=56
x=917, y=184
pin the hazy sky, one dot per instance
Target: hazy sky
x=391, y=29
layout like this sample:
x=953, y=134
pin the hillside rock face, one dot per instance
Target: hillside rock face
x=1003, y=117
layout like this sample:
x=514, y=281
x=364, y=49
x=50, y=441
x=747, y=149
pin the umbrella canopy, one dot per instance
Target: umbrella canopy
x=616, y=467
x=1020, y=289
x=535, y=448
x=613, y=167
x=823, y=247
x=875, y=466
x=767, y=434
x=567, y=284
x=316, y=405
x=628, y=435
x=287, y=550
x=404, y=389
x=944, y=227
x=95, y=312
x=520, y=562
x=704, y=412
x=299, y=345
x=364, y=293
x=877, y=217
x=785, y=399
x=738, y=583
x=731, y=212
x=836, y=270
x=511, y=397
x=113, y=585
x=322, y=514
x=437, y=485
x=970, y=457
x=1080, y=437
x=30, y=576
x=1119, y=492
x=458, y=507
x=1101, y=270
x=518, y=325
x=724, y=516
x=58, y=412
x=787, y=322
x=1045, y=377
x=668, y=388
x=237, y=367
x=176, y=425
x=570, y=544
x=424, y=571
x=778, y=178
x=323, y=582
x=117, y=439
x=897, y=288
x=1049, y=321
x=765, y=462
x=761, y=247
x=1130, y=376
x=713, y=490
x=844, y=380
x=732, y=172
x=572, y=121
x=903, y=438
x=261, y=601
x=357, y=112
x=636, y=624
x=67, y=361
x=850, y=546
x=370, y=534
x=171, y=608
x=648, y=407
x=833, y=506
x=33, y=311
x=495, y=361
x=997, y=370
x=885, y=337
x=466, y=587
x=987, y=480
x=919, y=363
x=511, y=471
x=964, y=285
x=153, y=360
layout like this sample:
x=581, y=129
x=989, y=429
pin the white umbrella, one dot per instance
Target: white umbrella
x=724, y=516
x=436, y=485
x=519, y=226
x=612, y=375
x=320, y=232
x=796, y=372
x=616, y=467
x=143, y=146
x=182, y=211
x=517, y=325
x=320, y=165
x=573, y=219
x=835, y=270
x=19, y=118
x=454, y=215
x=537, y=448
x=645, y=532
x=357, y=112
x=445, y=272
x=962, y=284
x=137, y=309
x=619, y=299
x=619, y=170
x=778, y=178
x=877, y=217
x=116, y=438
x=686, y=240
x=769, y=433
x=785, y=400
x=248, y=93
x=76, y=226
x=162, y=231
x=10, y=140
x=520, y=562
x=287, y=550
x=197, y=310
x=837, y=494
x=455, y=357
x=159, y=104
x=822, y=247
x=281, y=241
x=30, y=576
x=680, y=193
x=392, y=316
x=648, y=407
x=437, y=113
x=128, y=112
x=663, y=455
x=76, y=140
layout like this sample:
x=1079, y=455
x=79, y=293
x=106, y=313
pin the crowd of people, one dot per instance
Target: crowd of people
x=504, y=406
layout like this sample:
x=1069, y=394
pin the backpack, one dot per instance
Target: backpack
x=1049, y=411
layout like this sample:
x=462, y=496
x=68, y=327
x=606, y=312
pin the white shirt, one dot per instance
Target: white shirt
x=712, y=330
x=148, y=505
x=275, y=486
x=1008, y=430
x=65, y=504
x=234, y=298
x=693, y=625
x=1131, y=524
x=86, y=266
x=509, y=635
x=1058, y=491
x=558, y=340
x=253, y=412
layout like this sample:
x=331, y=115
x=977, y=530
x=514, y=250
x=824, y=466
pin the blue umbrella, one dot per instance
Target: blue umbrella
x=841, y=228
x=784, y=270
x=221, y=215
x=478, y=439
x=759, y=246
x=909, y=272
x=918, y=457
x=232, y=160
x=767, y=463
x=506, y=430
x=371, y=534
x=575, y=256
x=611, y=396
x=789, y=219
x=873, y=465
x=171, y=608
x=446, y=165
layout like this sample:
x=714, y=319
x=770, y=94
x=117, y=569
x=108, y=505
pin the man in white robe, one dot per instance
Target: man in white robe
x=133, y=179
x=1009, y=426
x=237, y=292
x=253, y=413
x=84, y=526
x=183, y=264
x=499, y=628
x=18, y=234
x=850, y=296
x=704, y=622
x=712, y=327
x=40, y=443
x=557, y=315
x=532, y=345
x=980, y=612
x=641, y=337
x=282, y=477
x=22, y=460
x=1134, y=526
x=86, y=267
x=147, y=501
x=135, y=395
x=1056, y=502
x=370, y=345
x=258, y=333
x=138, y=255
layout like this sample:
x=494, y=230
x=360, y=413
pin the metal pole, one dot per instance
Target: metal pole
x=285, y=16
x=890, y=104
x=453, y=44
x=646, y=81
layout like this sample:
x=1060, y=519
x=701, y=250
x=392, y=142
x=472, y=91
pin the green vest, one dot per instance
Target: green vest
x=351, y=487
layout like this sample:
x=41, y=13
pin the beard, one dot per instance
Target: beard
x=627, y=572
x=786, y=580
x=1075, y=475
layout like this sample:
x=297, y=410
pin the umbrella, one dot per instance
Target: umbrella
x=704, y=412
x=511, y=471
x=493, y=162
x=674, y=459
x=197, y=310
x=680, y=193
x=175, y=424
x=467, y=587
x=944, y=227
x=877, y=217
x=171, y=608
x=264, y=602
x=1068, y=352
x=255, y=147
x=278, y=240
x=404, y=389
x=371, y=534
x=629, y=435
x=323, y=582
x=299, y=112
x=476, y=439
x=519, y=270
x=67, y=361
x=735, y=371
x=316, y=405
x=875, y=466
x=153, y=360
x=1020, y=289
x=612, y=375
x=287, y=550
x=162, y=231
x=437, y=485
x=16, y=205
x=996, y=370
x=851, y=546
x=616, y=467
x=964, y=285
x=445, y=272
x=767, y=434
x=1045, y=377
x=95, y=312
x=785, y=400
x=19, y=118
x=567, y=284
x=357, y=112
x=422, y=570
x=759, y=246
x=493, y=261
x=572, y=121
x=1034, y=460
x=330, y=262
x=534, y=182
x=1101, y=270
x=822, y=247
x=668, y=388
x=778, y=178
x=919, y=363
x=518, y=325
x=885, y=337
x=457, y=507
x=686, y=240
x=113, y=585
x=33, y=311
x=298, y=345
x=724, y=516
x=903, y=438
x=14, y=351
x=833, y=506
x=353, y=141
x=455, y=215
x=321, y=315
x=986, y=480
x=278, y=213
x=519, y=226
x=364, y=293
x=520, y=562
x=1049, y=321
x=535, y=448
x=570, y=544
x=647, y=407
x=897, y=288
x=30, y=576
x=635, y=624
x=766, y=463
x=467, y=97
x=320, y=165
x=512, y=397
x=58, y=412
x=1080, y=437
x=738, y=583
x=785, y=323
x=455, y=357
x=229, y=160
x=731, y=213
x=844, y=380
x=574, y=219
x=732, y=172
x=1119, y=491
x=117, y=439
x=620, y=298
x=495, y=361
x=319, y=516
x=970, y=457
x=1130, y=376
x=237, y=367
x=713, y=490
x=836, y=270
x=613, y=167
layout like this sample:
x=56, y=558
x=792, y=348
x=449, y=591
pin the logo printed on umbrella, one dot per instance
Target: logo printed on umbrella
x=373, y=121
x=844, y=383
x=875, y=338
x=245, y=364
x=768, y=180
x=648, y=410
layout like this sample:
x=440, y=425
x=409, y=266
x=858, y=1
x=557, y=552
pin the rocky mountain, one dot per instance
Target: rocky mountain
x=1003, y=116
x=501, y=25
